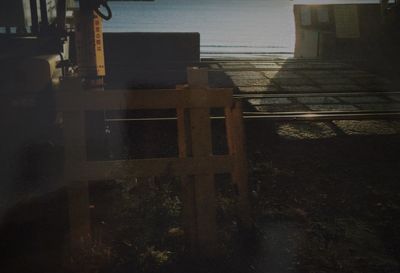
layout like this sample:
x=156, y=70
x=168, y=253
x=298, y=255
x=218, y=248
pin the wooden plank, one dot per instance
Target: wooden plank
x=78, y=188
x=101, y=170
x=187, y=182
x=204, y=189
x=200, y=126
x=143, y=99
x=237, y=149
x=198, y=130
x=183, y=135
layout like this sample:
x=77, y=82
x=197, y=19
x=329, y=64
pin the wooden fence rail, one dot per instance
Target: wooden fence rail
x=196, y=165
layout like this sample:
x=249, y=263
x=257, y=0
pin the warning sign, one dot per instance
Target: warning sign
x=347, y=22
x=98, y=38
x=89, y=45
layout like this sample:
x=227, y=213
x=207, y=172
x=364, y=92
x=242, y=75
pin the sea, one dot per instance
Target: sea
x=226, y=27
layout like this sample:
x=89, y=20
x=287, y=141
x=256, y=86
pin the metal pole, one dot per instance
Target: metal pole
x=384, y=6
x=34, y=16
x=43, y=13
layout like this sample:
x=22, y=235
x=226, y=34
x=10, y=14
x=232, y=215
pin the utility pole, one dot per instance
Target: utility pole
x=384, y=6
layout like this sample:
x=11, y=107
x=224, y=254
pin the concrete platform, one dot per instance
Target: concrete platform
x=274, y=86
x=310, y=85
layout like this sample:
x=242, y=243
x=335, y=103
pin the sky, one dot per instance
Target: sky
x=334, y=1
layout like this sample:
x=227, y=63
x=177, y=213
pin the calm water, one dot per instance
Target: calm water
x=225, y=26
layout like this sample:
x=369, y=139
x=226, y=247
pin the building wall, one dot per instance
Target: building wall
x=337, y=30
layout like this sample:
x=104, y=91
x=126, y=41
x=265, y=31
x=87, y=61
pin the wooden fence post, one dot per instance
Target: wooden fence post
x=199, y=190
x=236, y=144
x=187, y=182
x=75, y=157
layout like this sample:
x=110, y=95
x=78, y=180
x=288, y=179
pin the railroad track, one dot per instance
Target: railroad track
x=333, y=90
x=292, y=116
x=251, y=113
x=309, y=115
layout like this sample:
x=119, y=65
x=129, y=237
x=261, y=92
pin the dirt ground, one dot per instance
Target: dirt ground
x=327, y=205
x=321, y=203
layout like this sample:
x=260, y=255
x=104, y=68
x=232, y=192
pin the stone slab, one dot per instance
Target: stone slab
x=317, y=100
x=214, y=66
x=297, y=66
x=281, y=108
x=292, y=81
x=271, y=66
x=329, y=66
x=236, y=66
x=258, y=89
x=267, y=101
x=281, y=74
x=332, y=107
x=245, y=74
x=250, y=82
x=341, y=88
x=362, y=99
x=300, y=88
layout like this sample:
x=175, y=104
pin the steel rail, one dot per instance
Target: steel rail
x=283, y=69
x=320, y=116
x=315, y=94
x=291, y=116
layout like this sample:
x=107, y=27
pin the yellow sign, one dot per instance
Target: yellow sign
x=89, y=45
x=99, y=46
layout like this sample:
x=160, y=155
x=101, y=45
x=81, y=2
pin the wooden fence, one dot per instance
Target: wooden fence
x=195, y=166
